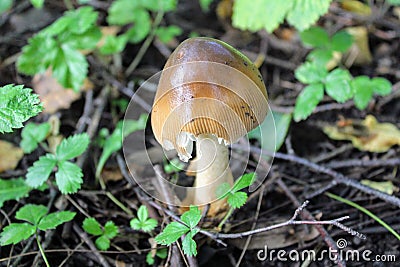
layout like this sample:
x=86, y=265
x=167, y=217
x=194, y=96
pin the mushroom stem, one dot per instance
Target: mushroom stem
x=212, y=169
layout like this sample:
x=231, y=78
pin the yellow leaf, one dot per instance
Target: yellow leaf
x=386, y=187
x=9, y=156
x=356, y=7
x=366, y=135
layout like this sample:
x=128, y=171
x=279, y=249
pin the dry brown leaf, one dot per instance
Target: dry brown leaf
x=366, y=135
x=10, y=155
x=111, y=174
x=53, y=95
x=359, y=53
x=277, y=238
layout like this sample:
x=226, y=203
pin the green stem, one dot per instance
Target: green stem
x=42, y=251
x=360, y=208
x=228, y=214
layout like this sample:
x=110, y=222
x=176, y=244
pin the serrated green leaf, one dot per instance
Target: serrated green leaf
x=69, y=67
x=32, y=134
x=38, y=55
x=68, y=177
x=41, y=170
x=31, y=213
x=307, y=101
x=13, y=189
x=15, y=233
x=320, y=57
x=310, y=72
x=381, y=86
x=304, y=13
x=17, y=104
x=171, y=233
x=54, y=219
x=341, y=41
x=72, y=147
x=191, y=217
x=136, y=224
x=363, y=91
x=189, y=246
x=315, y=37
x=149, y=225
x=110, y=230
x=85, y=41
x=102, y=242
x=92, y=226
x=237, y=199
x=252, y=16
x=244, y=181
x=337, y=85
x=166, y=34
x=37, y=3
x=142, y=213
x=120, y=12
x=113, y=44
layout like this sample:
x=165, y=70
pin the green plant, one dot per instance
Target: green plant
x=268, y=14
x=235, y=198
x=7, y=4
x=17, y=104
x=104, y=234
x=162, y=253
x=33, y=134
x=143, y=222
x=364, y=88
x=324, y=45
x=59, y=46
x=188, y=228
x=68, y=175
x=13, y=189
x=36, y=218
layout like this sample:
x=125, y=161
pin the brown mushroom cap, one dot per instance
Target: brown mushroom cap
x=207, y=87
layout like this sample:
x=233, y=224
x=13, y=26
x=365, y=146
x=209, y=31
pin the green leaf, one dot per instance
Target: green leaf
x=171, y=233
x=92, y=226
x=41, y=170
x=148, y=225
x=337, y=85
x=120, y=12
x=38, y=55
x=142, y=213
x=363, y=91
x=307, y=101
x=244, y=181
x=52, y=220
x=68, y=177
x=253, y=16
x=15, y=233
x=381, y=86
x=159, y=5
x=149, y=258
x=304, y=13
x=205, y=5
x=32, y=134
x=102, y=242
x=72, y=147
x=31, y=213
x=84, y=41
x=162, y=253
x=189, y=246
x=37, y=3
x=191, y=217
x=13, y=189
x=320, y=56
x=5, y=5
x=166, y=34
x=315, y=37
x=394, y=2
x=237, y=199
x=310, y=72
x=69, y=67
x=113, y=44
x=341, y=41
x=141, y=27
x=223, y=190
x=110, y=230
x=17, y=104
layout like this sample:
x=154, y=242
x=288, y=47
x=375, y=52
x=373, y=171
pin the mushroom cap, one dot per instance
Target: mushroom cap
x=207, y=87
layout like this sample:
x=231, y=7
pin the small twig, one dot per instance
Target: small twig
x=87, y=109
x=364, y=163
x=339, y=178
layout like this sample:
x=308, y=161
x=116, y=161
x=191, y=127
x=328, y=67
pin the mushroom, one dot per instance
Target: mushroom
x=211, y=94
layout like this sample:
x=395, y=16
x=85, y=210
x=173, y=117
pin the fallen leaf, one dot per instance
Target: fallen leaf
x=356, y=7
x=386, y=186
x=10, y=155
x=53, y=95
x=359, y=53
x=111, y=174
x=366, y=135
